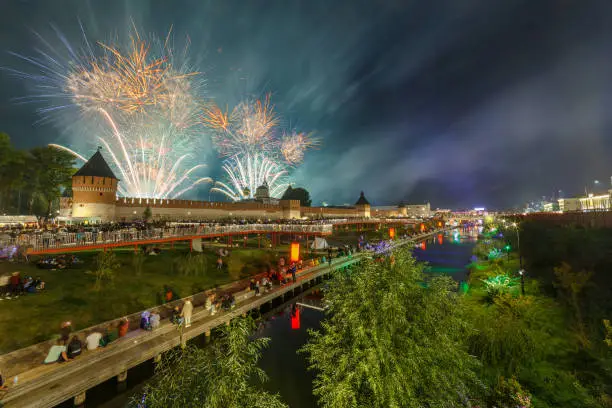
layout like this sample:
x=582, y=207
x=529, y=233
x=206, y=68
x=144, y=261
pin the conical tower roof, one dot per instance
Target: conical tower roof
x=96, y=166
x=362, y=200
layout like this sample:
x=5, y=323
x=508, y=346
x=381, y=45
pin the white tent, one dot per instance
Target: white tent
x=319, y=243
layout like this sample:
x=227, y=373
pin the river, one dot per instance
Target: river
x=445, y=253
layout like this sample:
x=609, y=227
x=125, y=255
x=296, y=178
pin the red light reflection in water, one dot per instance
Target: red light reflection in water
x=440, y=239
x=295, y=319
x=423, y=246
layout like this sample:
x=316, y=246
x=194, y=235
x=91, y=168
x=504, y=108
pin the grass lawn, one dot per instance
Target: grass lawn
x=70, y=293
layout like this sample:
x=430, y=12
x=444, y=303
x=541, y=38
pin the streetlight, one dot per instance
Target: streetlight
x=518, y=244
x=522, y=273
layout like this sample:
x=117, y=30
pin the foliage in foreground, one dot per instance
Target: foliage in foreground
x=390, y=341
x=539, y=343
x=218, y=376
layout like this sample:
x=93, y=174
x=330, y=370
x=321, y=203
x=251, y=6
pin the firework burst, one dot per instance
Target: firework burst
x=249, y=127
x=293, y=146
x=247, y=172
x=255, y=154
x=144, y=98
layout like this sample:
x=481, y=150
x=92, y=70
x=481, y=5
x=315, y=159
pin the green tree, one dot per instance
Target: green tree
x=12, y=168
x=222, y=375
x=389, y=340
x=106, y=266
x=147, y=213
x=608, y=327
x=299, y=193
x=138, y=260
x=51, y=171
x=572, y=283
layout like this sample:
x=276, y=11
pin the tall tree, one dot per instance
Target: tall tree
x=219, y=376
x=391, y=341
x=7, y=174
x=298, y=193
x=52, y=171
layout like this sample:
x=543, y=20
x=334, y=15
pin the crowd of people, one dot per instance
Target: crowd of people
x=14, y=285
x=69, y=346
x=30, y=235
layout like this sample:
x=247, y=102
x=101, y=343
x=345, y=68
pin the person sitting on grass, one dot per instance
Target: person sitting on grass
x=39, y=284
x=27, y=285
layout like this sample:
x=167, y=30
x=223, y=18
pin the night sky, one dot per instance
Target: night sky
x=461, y=103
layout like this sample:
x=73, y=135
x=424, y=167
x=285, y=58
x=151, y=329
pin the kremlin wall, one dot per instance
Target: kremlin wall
x=94, y=189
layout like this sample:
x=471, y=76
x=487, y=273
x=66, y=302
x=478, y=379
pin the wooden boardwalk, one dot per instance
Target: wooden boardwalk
x=46, y=386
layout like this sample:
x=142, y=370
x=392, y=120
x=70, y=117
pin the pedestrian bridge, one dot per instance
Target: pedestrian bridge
x=49, y=243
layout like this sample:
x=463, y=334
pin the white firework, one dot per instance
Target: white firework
x=247, y=172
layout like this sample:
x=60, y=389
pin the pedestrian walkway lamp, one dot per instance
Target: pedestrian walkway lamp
x=522, y=273
x=391, y=233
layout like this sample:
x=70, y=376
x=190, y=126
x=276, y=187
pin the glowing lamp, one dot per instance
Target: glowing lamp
x=439, y=223
x=422, y=227
x=294, y=254
x=392, y=233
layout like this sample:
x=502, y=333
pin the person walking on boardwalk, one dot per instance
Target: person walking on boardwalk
x=187, y=311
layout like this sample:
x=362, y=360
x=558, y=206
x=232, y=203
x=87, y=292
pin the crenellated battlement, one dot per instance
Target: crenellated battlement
x=177, y=203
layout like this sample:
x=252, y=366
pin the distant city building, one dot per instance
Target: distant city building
x=551, y=206
x=569, y=204
x=594, y=202
x=589, y=202
x=402, y=210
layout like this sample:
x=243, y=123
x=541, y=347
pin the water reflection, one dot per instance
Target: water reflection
x=286, y=368
x=449, y=253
